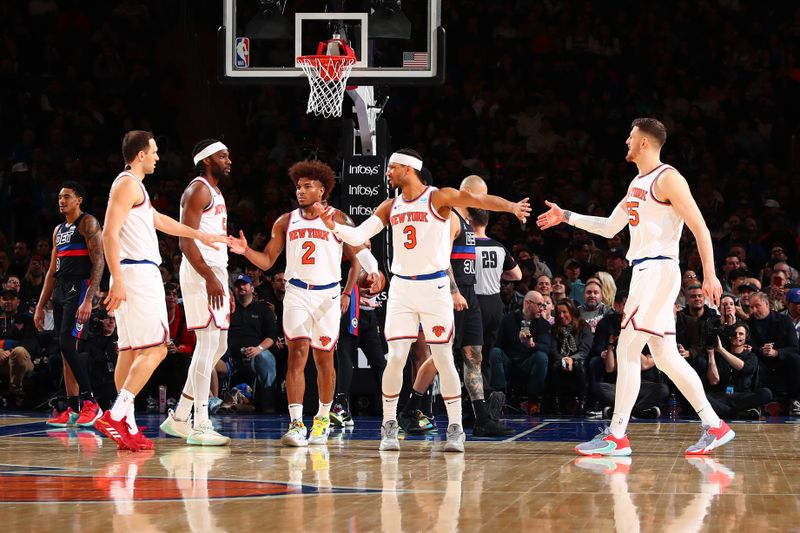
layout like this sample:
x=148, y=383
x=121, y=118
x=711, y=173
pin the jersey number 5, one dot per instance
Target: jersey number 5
x=308, y=256
x=633, y=214
x=411, y=237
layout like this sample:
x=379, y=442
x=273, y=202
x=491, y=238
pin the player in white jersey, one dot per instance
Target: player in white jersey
x=206, y=295
x=419, y=292
x=656, y=205
x=136, y=293
x=314, y=301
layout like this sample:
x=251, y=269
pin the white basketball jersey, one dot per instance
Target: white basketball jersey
x=654, y=225
x=313, y=253
x=137, y=237
x=420, y=237
x=214, y=220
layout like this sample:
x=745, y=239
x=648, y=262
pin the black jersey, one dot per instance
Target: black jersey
x=71, y=252
x=462, y=258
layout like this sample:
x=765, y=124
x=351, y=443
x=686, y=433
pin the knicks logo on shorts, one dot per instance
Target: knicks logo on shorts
x=438, y=330
x=324, y=340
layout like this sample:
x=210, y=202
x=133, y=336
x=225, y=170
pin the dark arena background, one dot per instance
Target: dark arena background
x=537, y=98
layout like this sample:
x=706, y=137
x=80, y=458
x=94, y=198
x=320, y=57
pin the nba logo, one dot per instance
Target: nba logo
x=242, y=52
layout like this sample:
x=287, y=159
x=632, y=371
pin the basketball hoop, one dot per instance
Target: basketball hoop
x=327, y=73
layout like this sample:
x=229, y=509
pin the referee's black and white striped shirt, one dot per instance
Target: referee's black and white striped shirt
x=491, y=260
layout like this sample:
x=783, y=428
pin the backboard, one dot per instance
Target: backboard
x=397, y=42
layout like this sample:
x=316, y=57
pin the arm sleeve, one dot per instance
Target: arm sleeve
x=361, y=233
x=606, y=227
x=368, y=261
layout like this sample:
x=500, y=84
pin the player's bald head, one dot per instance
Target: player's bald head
x=474, y=184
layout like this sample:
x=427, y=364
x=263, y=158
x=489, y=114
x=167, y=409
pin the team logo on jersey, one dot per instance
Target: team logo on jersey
x=354, y=322
x=438, y=330
x=325, y=341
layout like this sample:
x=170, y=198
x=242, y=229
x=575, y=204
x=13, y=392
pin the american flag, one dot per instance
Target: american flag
x=415, y=59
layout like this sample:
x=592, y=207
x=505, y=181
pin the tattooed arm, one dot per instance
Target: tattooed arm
x=92, y=233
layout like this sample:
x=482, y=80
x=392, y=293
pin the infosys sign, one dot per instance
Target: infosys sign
x=363, y=186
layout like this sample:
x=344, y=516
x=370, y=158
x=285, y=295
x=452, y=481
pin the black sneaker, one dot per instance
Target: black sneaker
x=415, y=423
x=650, y=412
x=491, y=428
x=495, y=404
x=754, y=413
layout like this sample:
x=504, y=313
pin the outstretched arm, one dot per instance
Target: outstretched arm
x=605, y=226
x=171, y=226
x=355, y=236
x=449, y=197
x=263, y=260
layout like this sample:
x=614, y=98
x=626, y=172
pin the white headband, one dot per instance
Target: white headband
x=408, y=160
x=211, y=149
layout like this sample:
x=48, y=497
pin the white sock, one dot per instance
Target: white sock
x=669, y=361
x=629, y=377
x=296, y=411
x=133, y=429
x=390, y=408
x=453, y=406
x=324, y=409
x=184, y=408
x=392, y=380
x=120, y=408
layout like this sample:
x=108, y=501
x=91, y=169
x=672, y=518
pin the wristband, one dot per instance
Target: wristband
x=260, y=347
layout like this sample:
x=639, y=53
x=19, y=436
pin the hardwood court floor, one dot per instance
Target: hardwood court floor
x=74, y=480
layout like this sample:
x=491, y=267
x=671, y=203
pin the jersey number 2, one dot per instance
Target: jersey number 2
x=411, y=237
x=633, y=214
x=308, y=257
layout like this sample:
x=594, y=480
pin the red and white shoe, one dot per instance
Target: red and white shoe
x=65, y=418
x=116, y=430
x=90, y=412
x=143, y=442
x=710, y=439
x=604, y=443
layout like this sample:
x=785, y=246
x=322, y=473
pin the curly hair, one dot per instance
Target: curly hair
x=314, y=170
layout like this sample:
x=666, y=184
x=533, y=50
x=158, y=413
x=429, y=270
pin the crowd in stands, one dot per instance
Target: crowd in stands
x=538, y=100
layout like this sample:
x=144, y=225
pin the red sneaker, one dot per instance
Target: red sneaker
x=143, y=442
x=116, y=430
x=63, y=419
x=90, y=412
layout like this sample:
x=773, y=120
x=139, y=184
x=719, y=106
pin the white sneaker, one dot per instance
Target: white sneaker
x=320, y=431
x=204, y=435
x=176, y=428
x=455, y=439
x=296, y=436
x=389, y=440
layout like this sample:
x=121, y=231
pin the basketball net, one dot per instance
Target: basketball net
x=327, y=73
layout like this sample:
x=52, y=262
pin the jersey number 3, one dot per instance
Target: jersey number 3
x=308, y=256
x=411, y=237
x=633, y=214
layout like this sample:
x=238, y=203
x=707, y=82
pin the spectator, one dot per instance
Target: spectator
x=260, y=288
x=776, y=289
x=774, y=340
x=20, y=259
x=522, y=348
x=696, y=304
x=593, y=309
x=33, y=282
x=18, y=337
x=251, y=335
x=512, y=299
x=544, y=285
x=609, y=288
x=731, y=377
x=730, y=265
x=617, y=266
x=745, y=290
x=688, y=279
x=100, y=348
x=572, y=271
x=793, y=308
x=606, y=333
x=652, y=392
x=559, y=291
x=572, y=340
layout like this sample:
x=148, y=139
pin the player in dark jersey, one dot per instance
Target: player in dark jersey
x=493, y=263
x=72, y=280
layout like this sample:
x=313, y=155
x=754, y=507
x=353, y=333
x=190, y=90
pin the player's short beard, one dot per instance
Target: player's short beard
x=217, y=172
